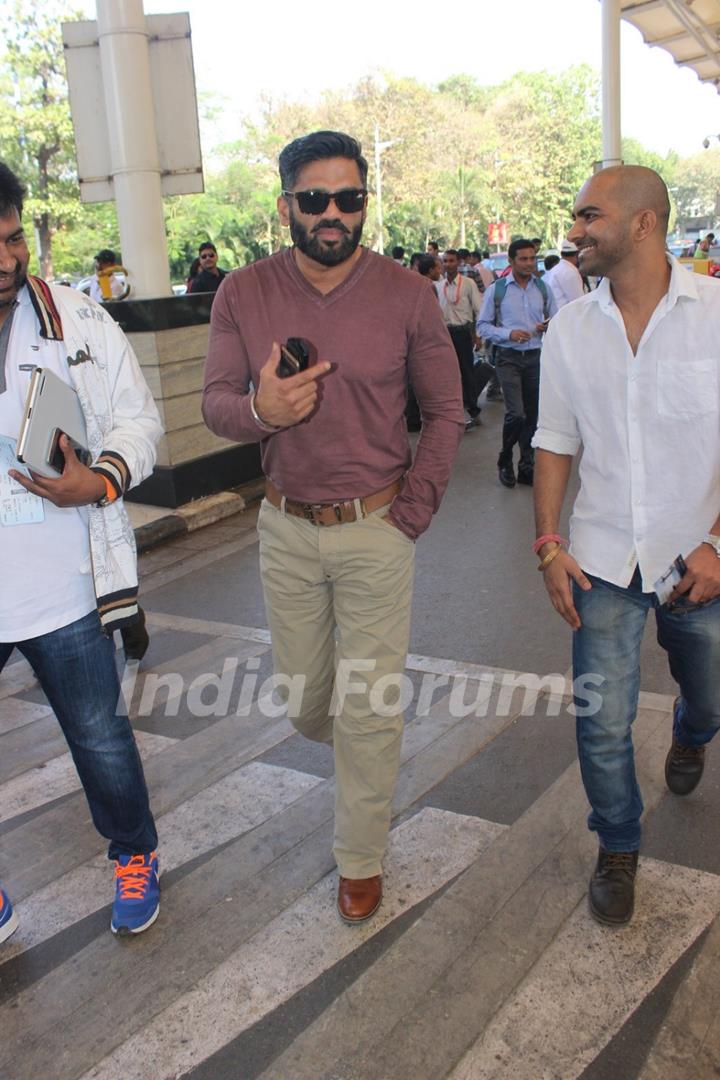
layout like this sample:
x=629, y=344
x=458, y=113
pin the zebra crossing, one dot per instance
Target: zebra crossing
x=490, y=965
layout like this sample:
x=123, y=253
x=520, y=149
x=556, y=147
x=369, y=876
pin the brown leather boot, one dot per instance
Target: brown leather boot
x=683, y=767
x=612, y=887
x=359, y=898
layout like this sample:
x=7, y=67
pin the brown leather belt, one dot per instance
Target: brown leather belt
x=334, y=513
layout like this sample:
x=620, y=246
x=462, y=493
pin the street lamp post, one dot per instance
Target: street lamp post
x=379, y=147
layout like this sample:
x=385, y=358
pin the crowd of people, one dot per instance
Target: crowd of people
x=496, y=322
x=629, y=374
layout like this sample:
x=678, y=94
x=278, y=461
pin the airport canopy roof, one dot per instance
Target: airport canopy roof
x=688, y=29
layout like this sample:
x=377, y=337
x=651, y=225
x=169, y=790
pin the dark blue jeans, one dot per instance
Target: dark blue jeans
x=519, y=375
x=608, y=645
x=75, y=667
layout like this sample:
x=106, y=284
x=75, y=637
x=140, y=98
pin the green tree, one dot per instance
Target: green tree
x=545, y=130
x=697, y=186
x=35, y=129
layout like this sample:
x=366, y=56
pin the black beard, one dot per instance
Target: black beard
x=20, y=279
x=321, y=251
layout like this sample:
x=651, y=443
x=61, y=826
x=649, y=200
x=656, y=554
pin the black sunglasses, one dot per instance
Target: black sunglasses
x=348, y=200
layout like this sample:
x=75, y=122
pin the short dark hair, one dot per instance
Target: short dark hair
x=486, y=254
x=316, y=147
x=425, y=264
x=537, y=241
x=398, y=252
x=518, y=245
x=433, y=244
x=451, y=251
x=106, y=256
x=207, y=245
x=463, y=253
x=551, y=260
x=12, y=192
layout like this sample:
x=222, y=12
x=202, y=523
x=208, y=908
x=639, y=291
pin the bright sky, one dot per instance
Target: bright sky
x=295, y=49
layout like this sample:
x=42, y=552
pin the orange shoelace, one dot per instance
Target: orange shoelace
x=133, y=878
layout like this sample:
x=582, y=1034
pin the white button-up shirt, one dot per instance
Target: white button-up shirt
x=565, y=281
x=649, y=425
x=459, y=300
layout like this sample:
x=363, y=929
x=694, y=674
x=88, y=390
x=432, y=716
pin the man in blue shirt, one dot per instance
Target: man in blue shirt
x=513, y=320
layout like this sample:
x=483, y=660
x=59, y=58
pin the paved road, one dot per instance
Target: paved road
x=482, y=963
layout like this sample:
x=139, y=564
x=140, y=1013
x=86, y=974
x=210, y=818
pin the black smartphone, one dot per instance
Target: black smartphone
x=294, y=357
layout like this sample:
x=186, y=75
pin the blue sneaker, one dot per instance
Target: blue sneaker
x=8, y=918
x=137, y=894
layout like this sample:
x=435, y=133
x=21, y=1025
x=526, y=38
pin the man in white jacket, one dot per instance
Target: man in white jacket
x=73, y=534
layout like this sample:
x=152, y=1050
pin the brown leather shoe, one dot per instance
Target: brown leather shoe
x=359, y=898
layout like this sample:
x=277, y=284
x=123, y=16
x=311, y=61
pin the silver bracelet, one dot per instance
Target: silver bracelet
x=257, y=418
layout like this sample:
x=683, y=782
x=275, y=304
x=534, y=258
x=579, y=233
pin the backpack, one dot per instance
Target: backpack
x=500, y=288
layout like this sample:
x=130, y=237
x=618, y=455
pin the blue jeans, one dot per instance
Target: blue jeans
x=608, y=644
x=75, y=666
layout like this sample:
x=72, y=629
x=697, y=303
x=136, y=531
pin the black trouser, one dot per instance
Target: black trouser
x=519, y=375
x=473, y=376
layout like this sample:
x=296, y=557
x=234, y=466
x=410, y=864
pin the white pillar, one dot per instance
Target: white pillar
x=612, y=153
x=135, y=165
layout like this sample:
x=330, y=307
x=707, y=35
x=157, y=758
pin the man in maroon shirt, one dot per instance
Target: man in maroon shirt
x=344, y=499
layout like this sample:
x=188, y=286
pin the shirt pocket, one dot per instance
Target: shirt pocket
x=687, y=388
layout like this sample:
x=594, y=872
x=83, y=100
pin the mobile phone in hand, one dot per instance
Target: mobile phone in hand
x=294, y=358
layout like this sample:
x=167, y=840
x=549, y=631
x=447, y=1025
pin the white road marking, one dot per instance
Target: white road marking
x=239, y=802
x=16, y=713
x=295, y=948
x=592, y=978
x=58, y=777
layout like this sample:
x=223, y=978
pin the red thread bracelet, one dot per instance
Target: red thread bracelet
x=548, y=538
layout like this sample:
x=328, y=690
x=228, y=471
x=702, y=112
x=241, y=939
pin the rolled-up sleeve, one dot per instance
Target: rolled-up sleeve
x=557, y=429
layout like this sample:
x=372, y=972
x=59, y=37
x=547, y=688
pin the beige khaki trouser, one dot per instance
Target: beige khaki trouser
x=357, y=579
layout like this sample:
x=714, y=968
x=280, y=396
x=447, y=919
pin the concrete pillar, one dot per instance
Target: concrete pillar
x=135, y=165
x=612, y=154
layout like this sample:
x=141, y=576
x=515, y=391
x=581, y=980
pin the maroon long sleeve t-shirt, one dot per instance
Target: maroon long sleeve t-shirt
x=381, y=325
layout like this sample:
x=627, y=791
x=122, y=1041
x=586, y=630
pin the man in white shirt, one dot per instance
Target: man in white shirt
x=630, y=373
x=564, y=278
x=68, y=567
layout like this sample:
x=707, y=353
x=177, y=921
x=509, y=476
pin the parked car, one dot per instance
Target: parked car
x=499, y=261
x=83, y=285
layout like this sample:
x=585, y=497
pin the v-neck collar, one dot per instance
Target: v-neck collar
x=325, y=299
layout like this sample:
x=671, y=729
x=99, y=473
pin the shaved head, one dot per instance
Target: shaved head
x=621, y=221
x=637, y=188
